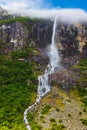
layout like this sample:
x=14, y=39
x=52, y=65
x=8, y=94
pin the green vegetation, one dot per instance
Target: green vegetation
x=84, y=100
x=83, y=94
x=60, y=120
x=41, y=117
x=33, y=124
x=69, y=115
x=60, y=127
x=82, y=91
x=52, y=120
x=84, y=109
x=46, y=109
x=57, y=109
x=82, y=70
x=80, y=113
x=84, y=121
x=57, y=127
x=17, y=90
x=12, y=20
x=18, y=19
x=82, y=82
x=82, y=65
x=24, y=53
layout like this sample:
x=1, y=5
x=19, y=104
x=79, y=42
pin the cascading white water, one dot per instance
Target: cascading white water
x=53, y=54
x=43, y=80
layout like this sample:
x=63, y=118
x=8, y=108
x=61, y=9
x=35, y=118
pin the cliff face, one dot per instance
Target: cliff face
x=72, y=42
x=71, y=39
x=12, y=37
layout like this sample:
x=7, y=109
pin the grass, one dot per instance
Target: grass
x=18, y=19
x=12, y=20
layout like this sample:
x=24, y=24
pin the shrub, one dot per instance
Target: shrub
x=84, y=121
x=82, y=91
x=80, y=113
x=46, y=109
x=41, y=117
x=84, y=110
x=60, y=120
x=60, y=127
x=69, y=115
x=52, y=120
x=57, y=127
x=57, y=109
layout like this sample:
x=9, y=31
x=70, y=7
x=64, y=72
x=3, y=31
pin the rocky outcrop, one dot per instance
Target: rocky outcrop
x=65, y=79
x=12, y=37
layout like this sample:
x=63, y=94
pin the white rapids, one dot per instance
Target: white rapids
x=43, y=80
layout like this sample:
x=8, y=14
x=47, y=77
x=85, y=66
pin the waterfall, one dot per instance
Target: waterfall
x=43, y=80
x=53, y=54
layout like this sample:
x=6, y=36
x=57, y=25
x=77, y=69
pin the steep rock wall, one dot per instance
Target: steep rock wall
x=72, y=42
x=12, y=37
x=71, y=39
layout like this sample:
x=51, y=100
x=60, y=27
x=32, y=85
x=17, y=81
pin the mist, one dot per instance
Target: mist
x=42, y=9
x=63, y=15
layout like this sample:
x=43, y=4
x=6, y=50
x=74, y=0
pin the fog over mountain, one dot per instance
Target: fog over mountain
x=42, y=9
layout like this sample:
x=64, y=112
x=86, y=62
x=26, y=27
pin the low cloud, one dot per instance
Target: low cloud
x=63, y=15
x=42, y=9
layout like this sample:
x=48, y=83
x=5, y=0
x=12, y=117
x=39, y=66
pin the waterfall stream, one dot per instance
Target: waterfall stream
x=43, y=80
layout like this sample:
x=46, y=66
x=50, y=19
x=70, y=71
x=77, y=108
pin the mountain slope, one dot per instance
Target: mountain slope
x=24, y=43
